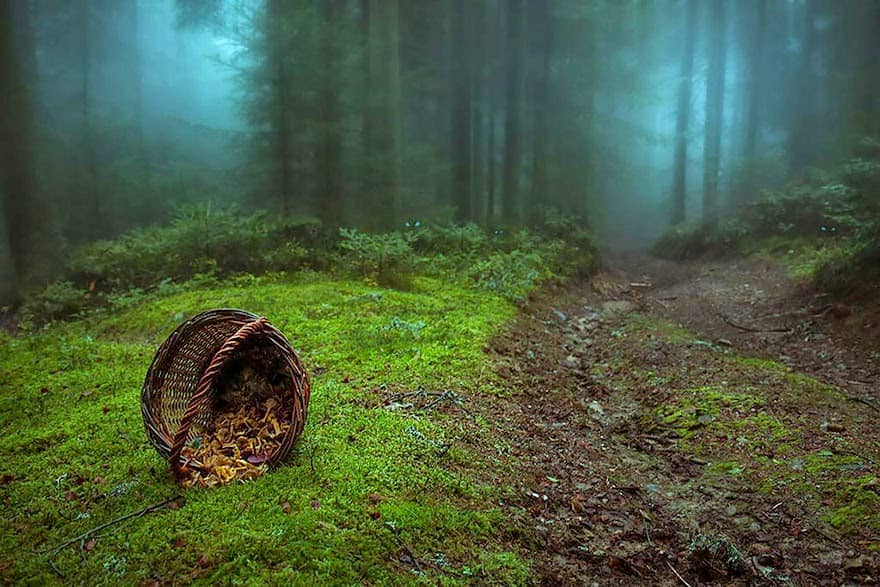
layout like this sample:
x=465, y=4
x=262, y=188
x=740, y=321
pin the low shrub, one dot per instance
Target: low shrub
x=199, y=240
x=387, y=259
x=512, y=275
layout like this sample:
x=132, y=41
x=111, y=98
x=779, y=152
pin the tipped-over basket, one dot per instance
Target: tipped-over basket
x=180, y=393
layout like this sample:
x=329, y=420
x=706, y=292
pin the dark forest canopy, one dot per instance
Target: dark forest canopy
x=627, y=115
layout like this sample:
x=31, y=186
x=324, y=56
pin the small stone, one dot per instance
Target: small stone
x=571, y=362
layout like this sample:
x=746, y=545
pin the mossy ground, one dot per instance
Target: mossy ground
x=366, y=495
x=755, y=422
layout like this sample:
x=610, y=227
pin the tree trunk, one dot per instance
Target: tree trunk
x=385, y=111
x=91, y=200
x=801, y=118
x=756, y=82
x=479, y=44
x=330, y=200
x=18, y=183
x=136, y=73
x=714, y=113
x=512, y=122
x=462, y=80
x=682, y=123
x=280, y=131
x=491, y=143
x=540, y=25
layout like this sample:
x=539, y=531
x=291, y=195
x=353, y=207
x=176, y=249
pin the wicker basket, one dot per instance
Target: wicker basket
x=183, y=379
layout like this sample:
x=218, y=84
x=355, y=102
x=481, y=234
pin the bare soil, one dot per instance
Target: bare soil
x=606, y=496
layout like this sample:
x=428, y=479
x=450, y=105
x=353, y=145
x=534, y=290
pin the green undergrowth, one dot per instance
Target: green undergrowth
x=824, y=226
x=368, y=496
x=754, y=421
x=207, y=247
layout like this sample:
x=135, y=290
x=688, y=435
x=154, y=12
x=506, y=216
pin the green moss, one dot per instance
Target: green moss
x=658, y=328
x=758, y=423
x=361, y=482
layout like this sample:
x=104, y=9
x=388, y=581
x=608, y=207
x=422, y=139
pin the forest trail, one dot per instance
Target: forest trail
x=691, y=423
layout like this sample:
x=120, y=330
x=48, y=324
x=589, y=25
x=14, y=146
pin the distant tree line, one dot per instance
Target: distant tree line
x=373, y=112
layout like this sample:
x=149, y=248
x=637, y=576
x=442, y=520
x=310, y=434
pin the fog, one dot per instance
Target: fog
x=372, y=113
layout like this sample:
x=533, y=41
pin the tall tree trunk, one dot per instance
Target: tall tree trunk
x=385, y=106
x=799, y=136
x=756, y=83
x=92, y=205
x=280, y=131
x=493, y=50
x=512, y=122
x=682, y=123
x=366, y=181
x=136, y=72
x=329, y=194
x=539, y=22
x=462, y=79
x=714, y=112
x=18, y=184
x=480, y=44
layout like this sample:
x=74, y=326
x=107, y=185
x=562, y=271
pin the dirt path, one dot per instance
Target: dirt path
x=651, y=454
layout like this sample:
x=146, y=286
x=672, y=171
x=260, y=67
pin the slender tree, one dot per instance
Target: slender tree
x=492, y=52
x=756, y=83
x=682, y=122
x=18, y=186
x=714, y=111
x=384, y=100
x=480, y=46
x=136, y=73
x=280, y=84
x=800, y=120
x=540, y=30
x=462, y=97
x=329, y=194
x=91, y=204
x=512, y=118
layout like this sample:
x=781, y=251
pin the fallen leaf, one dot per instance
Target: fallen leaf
x=285, y=507
x=316, y=504
x=89, y=546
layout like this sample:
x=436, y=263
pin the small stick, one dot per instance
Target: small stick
x=142, y=512
x=680, y=578
x=870, y=404
x=730, y=322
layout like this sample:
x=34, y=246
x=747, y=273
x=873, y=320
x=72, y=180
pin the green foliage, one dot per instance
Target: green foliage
x=512, y=275
x=387, y=259
x=59, y=300
x=827, y=225
x=466, y=239
x=691, y=241
x=204, y=248
x=199, y=240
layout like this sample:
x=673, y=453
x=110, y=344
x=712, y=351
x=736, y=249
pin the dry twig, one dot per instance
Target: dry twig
x=141, y=512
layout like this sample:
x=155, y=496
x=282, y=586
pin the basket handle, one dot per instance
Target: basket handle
x=206, y=385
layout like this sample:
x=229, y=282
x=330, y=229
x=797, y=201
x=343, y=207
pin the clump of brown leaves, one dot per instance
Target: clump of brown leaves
x=249, y=424
x=235, y=447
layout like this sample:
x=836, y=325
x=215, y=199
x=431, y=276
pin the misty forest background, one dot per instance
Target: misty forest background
x=621, y=117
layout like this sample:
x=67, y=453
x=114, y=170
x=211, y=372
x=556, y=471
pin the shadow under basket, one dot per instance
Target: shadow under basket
x=212, y=365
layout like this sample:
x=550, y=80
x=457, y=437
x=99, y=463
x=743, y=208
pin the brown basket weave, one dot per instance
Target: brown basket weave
x=184, y=375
